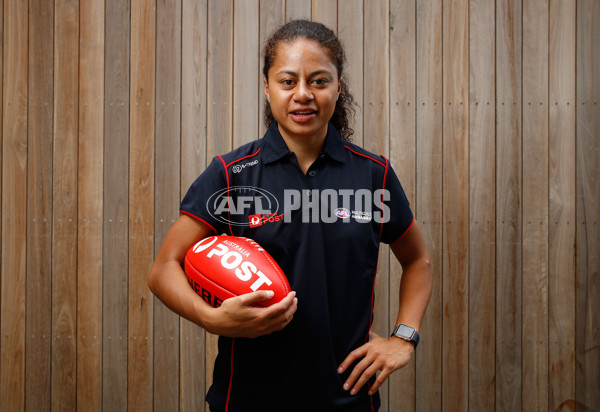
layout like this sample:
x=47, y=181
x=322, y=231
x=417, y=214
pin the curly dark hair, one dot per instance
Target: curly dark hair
x=309, y=30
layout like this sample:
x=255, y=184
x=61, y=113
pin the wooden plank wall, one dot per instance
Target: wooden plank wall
x=488, y=111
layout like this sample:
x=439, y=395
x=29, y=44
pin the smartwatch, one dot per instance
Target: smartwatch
x=407, y=333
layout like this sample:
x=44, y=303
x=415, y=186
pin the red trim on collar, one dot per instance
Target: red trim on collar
x=241, y=158
x=368, y=157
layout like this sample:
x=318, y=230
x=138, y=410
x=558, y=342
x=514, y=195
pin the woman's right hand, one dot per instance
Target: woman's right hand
x=239, y=317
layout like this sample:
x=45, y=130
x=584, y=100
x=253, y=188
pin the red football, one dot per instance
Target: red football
x=221, y=267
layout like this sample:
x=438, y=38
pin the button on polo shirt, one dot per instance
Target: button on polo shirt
x=324, y=229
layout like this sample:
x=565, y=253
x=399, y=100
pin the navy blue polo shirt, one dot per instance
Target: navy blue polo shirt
x=324, y=228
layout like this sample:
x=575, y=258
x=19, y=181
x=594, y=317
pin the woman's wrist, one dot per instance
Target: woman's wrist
x=205, y=315
x=402, y=344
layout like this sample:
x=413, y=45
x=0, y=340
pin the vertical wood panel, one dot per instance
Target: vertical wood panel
x=193, y=161
x=508, y=205
x=403, y=159
x=193, y=91
x=167, y=196
x=220, y=72
x=297, y=9
x=429, y=195
x=141, y=200
x=588, y=205
x=39, y=206
x=482, y=205
x=455, y=204
x=272, y=15
x=246, y=79
x=115, y=242
x=376, y=132
x=326, y=12
x=561, y=264
x=535, y=205
x=2, y=25
x=90, y=188
x=219, y=110
x=376, y=83
x=14, y=206
x=350, y=33
x=64, y=205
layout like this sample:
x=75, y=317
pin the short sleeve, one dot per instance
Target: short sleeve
x=400, y=216
x=197, y=201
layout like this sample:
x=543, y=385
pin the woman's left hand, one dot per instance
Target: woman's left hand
x=379, y=354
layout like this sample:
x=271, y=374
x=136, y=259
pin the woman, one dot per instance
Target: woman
x=331, y=204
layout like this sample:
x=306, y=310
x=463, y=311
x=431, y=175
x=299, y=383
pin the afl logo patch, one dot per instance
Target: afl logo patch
x=342, y=212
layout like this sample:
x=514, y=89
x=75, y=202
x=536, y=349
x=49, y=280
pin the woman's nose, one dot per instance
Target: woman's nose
x=303, y=92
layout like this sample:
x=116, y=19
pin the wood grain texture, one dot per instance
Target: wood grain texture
x=535, y=205
x=220, y=69
x=562, y=210
x=14, y=205
x=167, y=192
x=588, y=207
x=272, y=15
x=89, y=206
x=219, y=111
x=115, y=261
x=376, y=132
x=193, y=161
x=246, y=67
x=194, y=99
x=64, y=206
x=376, y=84
x=1, y=143
x=141, y=200
x=326, y=12
x=429, y=181
x=482, y=205
x=350, y=32
x=39, y=207
x=297, y=9
x=508, y=205
x=403, y=159
x=456, y=205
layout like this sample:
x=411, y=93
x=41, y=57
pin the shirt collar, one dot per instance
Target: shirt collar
x=274, y=147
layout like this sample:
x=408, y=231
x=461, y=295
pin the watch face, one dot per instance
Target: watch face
x=405, y=331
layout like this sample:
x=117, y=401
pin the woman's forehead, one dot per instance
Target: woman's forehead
x=300, y=53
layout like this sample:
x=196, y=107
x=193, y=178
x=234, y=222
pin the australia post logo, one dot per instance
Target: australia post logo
x=243, y=206
x=259, y=220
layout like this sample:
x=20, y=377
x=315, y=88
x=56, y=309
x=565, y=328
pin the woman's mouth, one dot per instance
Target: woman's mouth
x=303, y=115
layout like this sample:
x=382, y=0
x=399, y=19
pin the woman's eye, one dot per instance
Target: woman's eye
x=287, y=82
x=321, y=82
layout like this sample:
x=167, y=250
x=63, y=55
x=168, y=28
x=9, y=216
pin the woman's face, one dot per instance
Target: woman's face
x=302, y=89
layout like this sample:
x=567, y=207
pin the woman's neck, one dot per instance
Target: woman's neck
x=306, y=148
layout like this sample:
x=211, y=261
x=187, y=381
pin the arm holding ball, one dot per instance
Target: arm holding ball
x=237, y=316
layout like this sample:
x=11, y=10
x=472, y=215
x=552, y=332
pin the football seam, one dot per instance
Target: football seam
x=277, y=271
x=210, y=280
x=282, y=278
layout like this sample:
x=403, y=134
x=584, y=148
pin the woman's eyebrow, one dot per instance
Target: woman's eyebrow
x=315, y=73
x=291, y=73
x=318, y=72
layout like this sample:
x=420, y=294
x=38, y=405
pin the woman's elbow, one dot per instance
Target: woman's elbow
x=153, y=279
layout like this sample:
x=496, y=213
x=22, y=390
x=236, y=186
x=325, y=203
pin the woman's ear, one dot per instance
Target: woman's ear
x=339, y=88
x=266, y=82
